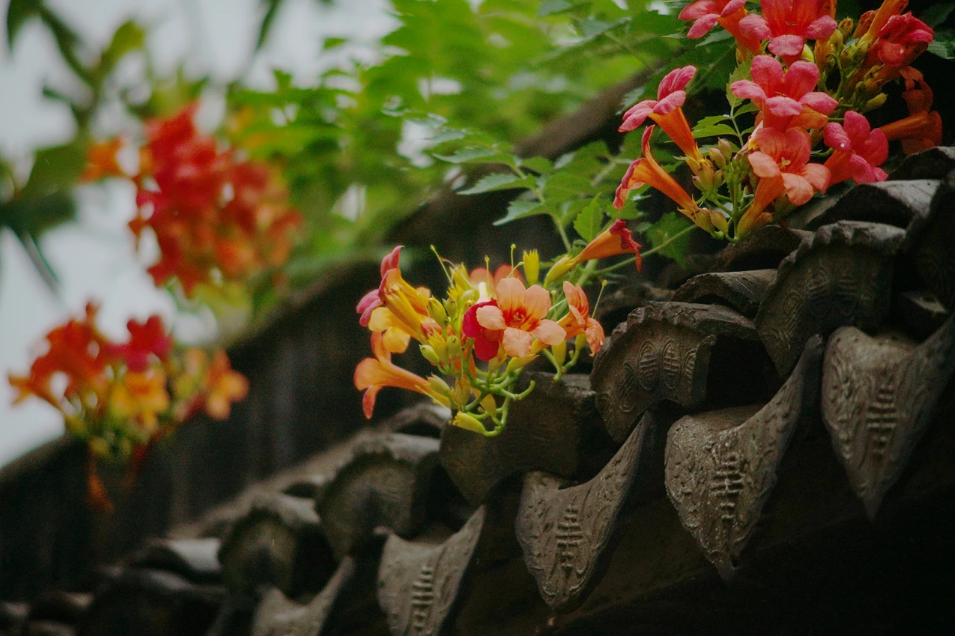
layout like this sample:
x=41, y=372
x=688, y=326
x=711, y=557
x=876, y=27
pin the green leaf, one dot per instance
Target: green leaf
x=19, y=13
x=590, y=220
x=540, y=165
x=55, y=168
x=669, y=225
x=332, y=43
x=474, y=155
x=35, y=215
x=550, y=7
x=39, y=260
x=944, y=44
x=520, y=208
x=713, y=131
x=271, y=10
x=935, y=14
x=499, y=181
x=128, y=37
x=741, y=73
x=67, y=42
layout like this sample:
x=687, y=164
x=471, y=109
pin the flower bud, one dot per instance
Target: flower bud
x=580, y=341
x=837, y=39
x=439, y=386
x=865, y=21
x=559, y=351
x=875, y=102
x=518, y=363
x=807, y=55
x=725, y=147
x=561, y=267
x=436, y=311
x=454, y=347
x=462, y=391
x=439, y=345
x=694, y=164
x=719, y=221
x=460, y=278
x=717, y=157
x=845, y=28
x=468, y=423
x=451, y=307
x=489, y=404
x=470, y=296
x=532, y=265
x=705, y=178
x=429, y=354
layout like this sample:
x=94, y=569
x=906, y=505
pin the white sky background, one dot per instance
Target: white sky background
x=95, y=259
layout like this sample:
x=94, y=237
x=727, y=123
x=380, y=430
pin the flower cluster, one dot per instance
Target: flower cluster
x=216, y=217
x=489, y=326
x=809, y=103
x=122, y=397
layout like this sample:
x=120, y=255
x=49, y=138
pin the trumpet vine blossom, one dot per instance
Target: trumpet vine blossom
x=666, y=110
x=786, y=98
x=858, y=151
x=787, y=24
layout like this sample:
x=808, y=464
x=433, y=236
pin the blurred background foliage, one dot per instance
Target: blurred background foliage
x=386, y=124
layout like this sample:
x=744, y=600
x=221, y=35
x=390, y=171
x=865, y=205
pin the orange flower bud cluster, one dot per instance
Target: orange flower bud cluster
x=216, y=217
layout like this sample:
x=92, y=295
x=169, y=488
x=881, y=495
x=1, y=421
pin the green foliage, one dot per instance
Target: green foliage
x=456, y=86
x=669, y=236
x=589, y=221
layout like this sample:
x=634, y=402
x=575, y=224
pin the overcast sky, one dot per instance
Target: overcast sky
x=95, y=259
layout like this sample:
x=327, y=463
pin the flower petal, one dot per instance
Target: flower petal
x=670, y=103
x=390, y=261
x=836, y=137
x=763, y=165
x=783, y=106
x=820, y=28
x=549, y=332
x=698, y=9
x=732, y=7
x=857, y=128
x=637, y=114
x=702, y=26
x=787, y=45
x=767, y=72
x=801, y=78
x=755, y=26
x=860, y=170
x=486, y=349
x=817, y=175
x=517, y=343
x=876, y=148
x=510, y=294
x=536, y=302
x=676, y=80
x=819, y=102
x=745, y=89
x=491, y=317
x=798, y=188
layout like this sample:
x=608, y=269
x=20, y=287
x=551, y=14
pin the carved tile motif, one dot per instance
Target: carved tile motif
x=419, y=584
x=383, y=484
x=276, y=615
x=666, y=369
x=721, y=466
x=878, y=396
x=742, y=291
x=568, y=534
x=842, y=276
x=545, y=432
